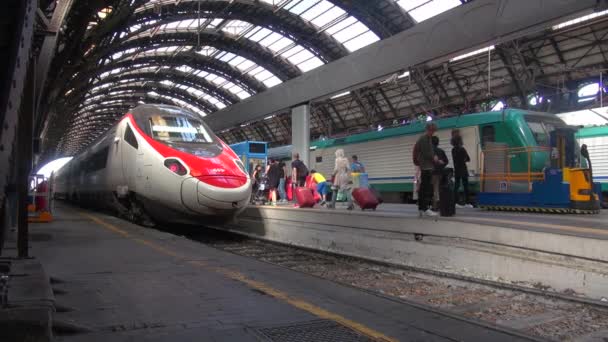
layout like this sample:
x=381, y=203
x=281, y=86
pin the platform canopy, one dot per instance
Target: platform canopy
x=208, y=55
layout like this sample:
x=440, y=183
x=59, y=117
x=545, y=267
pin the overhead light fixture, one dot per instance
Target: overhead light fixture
x=472, y=53
x=580, y=19
x=340, y=95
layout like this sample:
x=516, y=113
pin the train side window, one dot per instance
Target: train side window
x=130, y=137
x=319, y=159
x=487, y=134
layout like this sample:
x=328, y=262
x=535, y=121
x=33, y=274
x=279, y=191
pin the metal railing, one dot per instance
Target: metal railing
x=513, y=168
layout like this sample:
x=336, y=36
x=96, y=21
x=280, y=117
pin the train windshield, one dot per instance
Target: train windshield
x=542, y=126
x=179, y=129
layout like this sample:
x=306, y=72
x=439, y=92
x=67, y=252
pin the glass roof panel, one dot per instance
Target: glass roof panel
x=341, y=25
x=259, y=34
x=280, y=44
x=360, y=41
x=298, y=7
x=310, y=64
x=236, y=27
x=272, y=81
x=328, y=16
x=263, y=75
x=351, y=32
x=301, y=56
x=422, y=10
x=317, y=10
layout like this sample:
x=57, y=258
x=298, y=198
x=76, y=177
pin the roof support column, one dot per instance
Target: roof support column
x=25, y=136
x=300, y=131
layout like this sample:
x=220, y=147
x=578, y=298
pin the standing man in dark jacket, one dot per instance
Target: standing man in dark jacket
x=299, y=171
x=425, y=158
x=438, y=170
x=460, y=157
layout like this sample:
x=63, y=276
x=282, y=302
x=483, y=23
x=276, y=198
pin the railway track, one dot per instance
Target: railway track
x=543, y=314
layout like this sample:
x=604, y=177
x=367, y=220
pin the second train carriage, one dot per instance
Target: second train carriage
x=387, y=154
x=596, y=139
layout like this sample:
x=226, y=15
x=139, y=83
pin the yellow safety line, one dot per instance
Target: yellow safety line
x=235, y=275
x=537, y=224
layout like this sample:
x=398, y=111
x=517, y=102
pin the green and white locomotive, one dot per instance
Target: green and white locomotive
x=387, y=154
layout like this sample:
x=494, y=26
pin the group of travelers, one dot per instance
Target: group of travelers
x=432, y=175
x=276, y=177
x=431, y=162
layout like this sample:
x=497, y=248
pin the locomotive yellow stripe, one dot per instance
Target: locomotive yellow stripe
x=258, y=285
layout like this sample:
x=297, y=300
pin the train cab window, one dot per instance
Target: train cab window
x=179, y=129
x=130, y=137
x=488, y=134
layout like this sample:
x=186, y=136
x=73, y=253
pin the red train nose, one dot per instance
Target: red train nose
x=229, y=182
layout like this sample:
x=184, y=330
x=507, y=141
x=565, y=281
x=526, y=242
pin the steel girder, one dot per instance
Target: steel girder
x=18, y=53
x=384, y=17
x=438, y=39
x=47, y=51
x=58, y=128
x=462, y=86
x=244, y=47
x=175, y=76
x=69, y=44
x=381, y=13
x=166, y=90
x=191, y=59
x=258, y=13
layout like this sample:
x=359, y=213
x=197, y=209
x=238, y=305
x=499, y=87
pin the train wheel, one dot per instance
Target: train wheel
x=138, y=214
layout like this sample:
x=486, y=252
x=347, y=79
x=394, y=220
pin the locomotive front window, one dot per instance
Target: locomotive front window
x=179, y=129
x=540, y=133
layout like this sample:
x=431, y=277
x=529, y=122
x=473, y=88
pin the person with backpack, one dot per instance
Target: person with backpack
x=438, y=170
x=299, y=171
x=424, y=157
x=356, y=165
x=460, y=157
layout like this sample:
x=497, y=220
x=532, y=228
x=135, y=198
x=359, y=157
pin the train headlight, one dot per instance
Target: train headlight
x=175, y=166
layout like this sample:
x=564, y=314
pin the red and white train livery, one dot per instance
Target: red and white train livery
x=159, y=163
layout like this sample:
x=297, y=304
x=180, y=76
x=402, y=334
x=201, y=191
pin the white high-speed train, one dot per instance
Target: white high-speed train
x=159, y=163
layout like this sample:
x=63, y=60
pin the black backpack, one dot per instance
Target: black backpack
x=302, y=169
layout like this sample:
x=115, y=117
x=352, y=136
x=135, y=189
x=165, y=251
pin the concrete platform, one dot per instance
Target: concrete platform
x=561, y=251
x=129, y=283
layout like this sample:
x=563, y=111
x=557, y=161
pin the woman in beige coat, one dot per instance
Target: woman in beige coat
x=342, y=179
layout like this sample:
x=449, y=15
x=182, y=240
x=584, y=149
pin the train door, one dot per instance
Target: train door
x=115, y=173
x=130, y=147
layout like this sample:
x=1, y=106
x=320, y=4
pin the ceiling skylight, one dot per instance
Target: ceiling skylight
x=422, y=10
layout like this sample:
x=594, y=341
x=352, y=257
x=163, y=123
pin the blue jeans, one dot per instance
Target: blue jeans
x=323, y=188
x=282, y=192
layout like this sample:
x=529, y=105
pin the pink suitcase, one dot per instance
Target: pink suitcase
x=365, y=198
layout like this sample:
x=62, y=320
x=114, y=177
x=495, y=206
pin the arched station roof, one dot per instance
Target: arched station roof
x=204, y=55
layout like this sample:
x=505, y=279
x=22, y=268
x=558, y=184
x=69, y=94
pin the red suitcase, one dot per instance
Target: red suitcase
x=305, y=197
x=289, y=189
x=365, y=198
